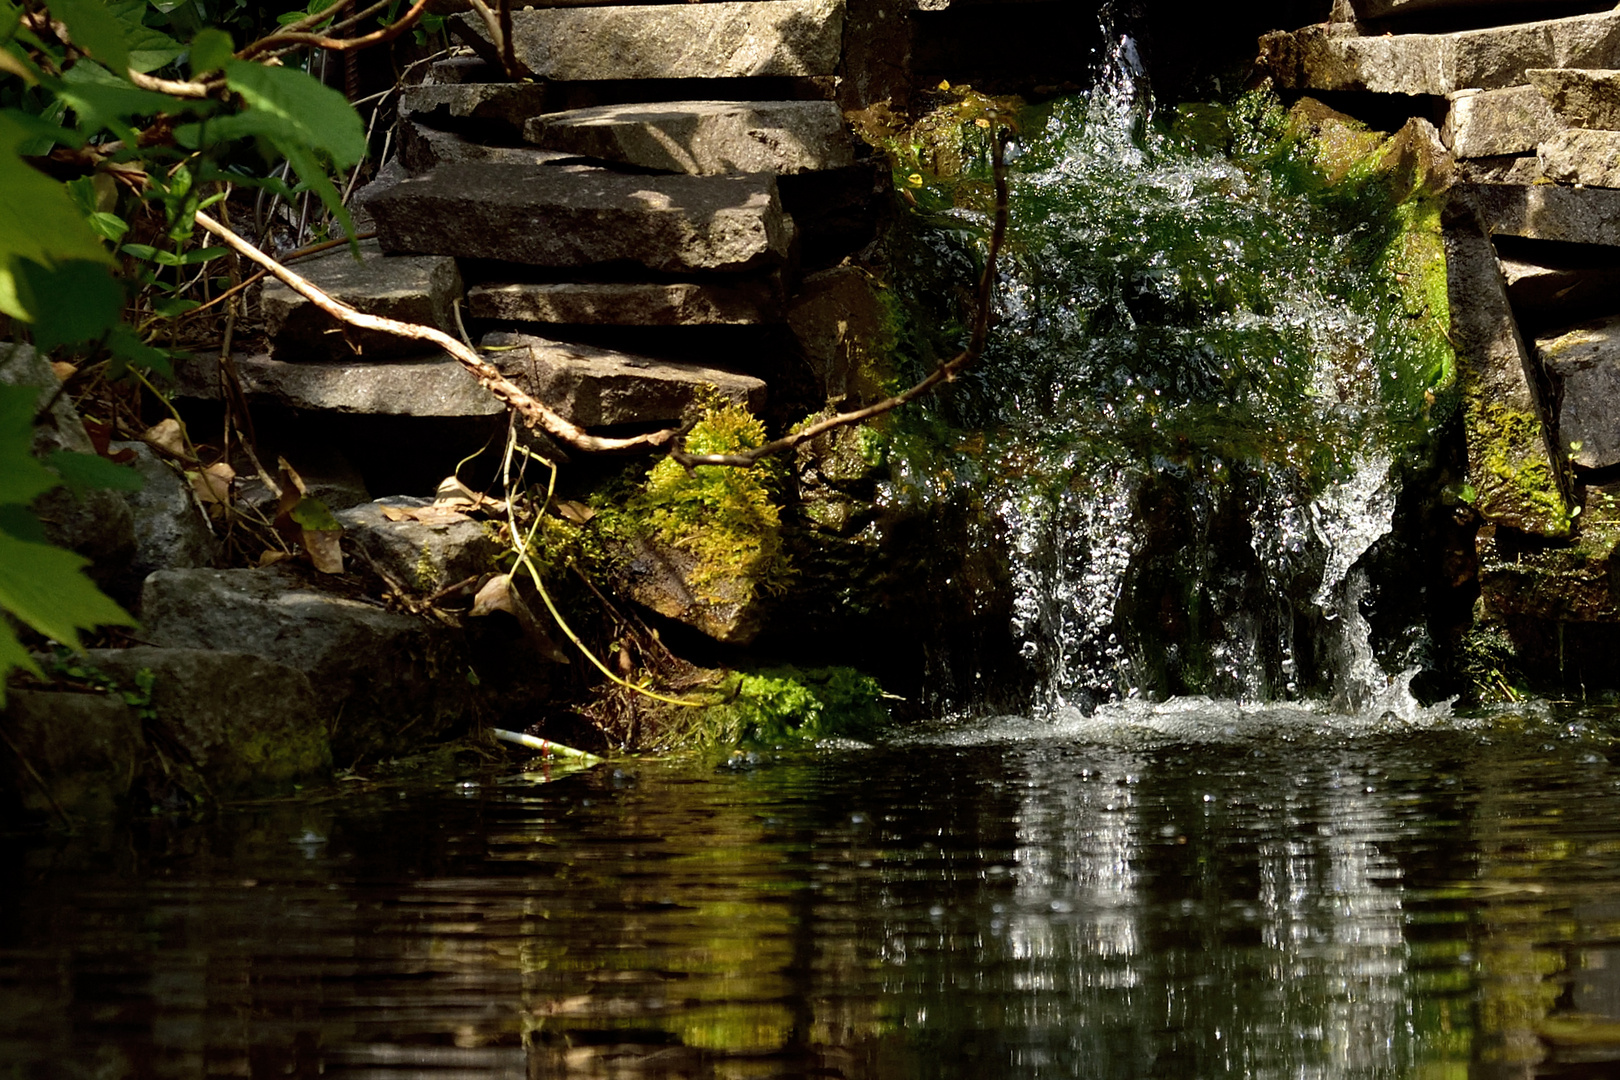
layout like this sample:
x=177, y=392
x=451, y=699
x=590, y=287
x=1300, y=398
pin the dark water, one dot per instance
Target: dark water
x=1202, y=893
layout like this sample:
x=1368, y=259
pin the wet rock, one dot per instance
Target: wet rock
x=1580, y=97
x=86, y=749
x=1488, y=123
x=425, y=553
x=1510, y=460
x=1580, y=156
x=423, y=148
x=541, y=216
x=1550, y=585
x=170, y=530
x=631, y=303
x=844, y=332
x=595, y=387
x=703, y=138
x=1548, y=212
x=247, y=724
x=675, y=41
x=434, y=385
x=410, y=288
x=1586, y=362
x=491, y=110
x=1321, y=58
x=385, y=681
x=661, y=577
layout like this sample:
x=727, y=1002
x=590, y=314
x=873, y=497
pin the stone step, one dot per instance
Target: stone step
x=411, y=288
x=1580, y=98
x=1582, y=156
x=422, y=148
x=704, y=138
x=595, y=387
x=499, y=108
x=1395, y=9
x=1548, y=211
x=541, y=216
x=1320, y=58
x=675, y=41
x=1586, y=362
x=630, y=303
x=433, y=385
x=1493, y=123
x=1558, y=294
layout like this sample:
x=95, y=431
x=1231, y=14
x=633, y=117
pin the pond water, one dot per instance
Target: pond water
x=1183, y=891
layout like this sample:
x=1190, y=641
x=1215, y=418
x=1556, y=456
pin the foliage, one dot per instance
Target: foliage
x=776, y=706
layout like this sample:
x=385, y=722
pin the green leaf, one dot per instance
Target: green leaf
x=38, y=220
x=312, y=514
x=95, y=30
x=70, y=302
x=46, y=588
x=108, y=226
x=127, y=348
x=45, y=130
x=22, y=479
x=149, y=49
x=91, y=472
x=210, y=50
x=173, y=307
x=291, y=108
x=17, y=521
x=101, y=99
x=12, y=655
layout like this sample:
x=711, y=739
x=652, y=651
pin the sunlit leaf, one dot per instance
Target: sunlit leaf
x=292, y=106
x=108, y=226
x=46, y=588
x=313, y=515
x=12, y=655
x=210, y=50
x=149, y=49
x=91, y=472
x=101, y=99
x=38, y=220
x=94, y=29
x=70, y=302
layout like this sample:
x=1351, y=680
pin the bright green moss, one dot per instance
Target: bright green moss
x=1511, y=468
x=784, y=705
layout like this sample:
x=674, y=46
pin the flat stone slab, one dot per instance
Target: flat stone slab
x=422, y=148
x=1586, y=359
x=1493, y=123
x=703, y=138
x=1321, y=58
x=1581, y=156
x=410, y=288
x=1548, y=211
x=543, y=217
x=1394, y=9
x=501, y=107
x=1547, y=292
x=431, y=550
x=595, y=387
x=671, y=41
x=435, y=385
x=1580, y=97
x=632, y=303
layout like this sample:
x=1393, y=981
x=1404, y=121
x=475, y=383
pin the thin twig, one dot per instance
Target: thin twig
x=331, y=44
x=533, y=412
x=946, y=372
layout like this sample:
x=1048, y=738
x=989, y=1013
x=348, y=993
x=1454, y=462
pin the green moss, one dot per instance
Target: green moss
x=784, y=705
x=1510, y=465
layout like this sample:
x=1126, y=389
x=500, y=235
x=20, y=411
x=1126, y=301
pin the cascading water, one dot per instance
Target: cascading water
x=1199, y=401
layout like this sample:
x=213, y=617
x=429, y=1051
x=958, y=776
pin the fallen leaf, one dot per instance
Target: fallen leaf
x=64, y=370
x=499, y=594
x=427, y=515
x=213, y=484
x=325, y=549
x=166, y=435
x=452, y=490
x=270, y=558
x=494, y=595
x=576, y=512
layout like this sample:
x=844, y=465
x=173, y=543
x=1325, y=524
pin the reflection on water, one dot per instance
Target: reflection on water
x=1198, y=891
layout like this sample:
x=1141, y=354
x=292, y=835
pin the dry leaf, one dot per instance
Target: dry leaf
x=452, y=490
x=64, y=370
x=270, y=558
x=494, y=595
x=576, y=512
x=427, y=515
x=167, y=436
x=325, y=549
x=499, y=594
x=213, y=484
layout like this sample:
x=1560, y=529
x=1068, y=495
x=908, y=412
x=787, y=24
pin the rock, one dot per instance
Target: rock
x=1548, y=211
x=1517, y=481
x=1550, y=293
x=836, y=210
x=247, y=724
x=703, y=138
x=385, y=681
x=1580, y=97
x=660, y=577
x=1487, y=123
x=595, y=387
x=543, y=217
x=630, y=303
x=1586, y=362
x=845, y=333
x=1580, y=156
x=409, y=288
x=463, y=69
x=1386, y=9
x=330, y=477
x=674, y=41
x=170, y=530
x=1499, y=170
x=426, y=554
x=1321, y=58
x=491, y=110
x=422, y=148
x=85, y=747
x=1550, y=584
x=433, y=385
x=387, y=176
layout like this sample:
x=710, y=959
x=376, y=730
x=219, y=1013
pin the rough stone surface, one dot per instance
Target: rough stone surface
x=674, y=41
x=1586, y=361
x=1551, y=585
x=1489, y=123
x=482, y=108
x=387, y=176
x=1499, y=170
x=1548, y=211
x=1580, y=97
x=543, y=217
x=1510, y=463
x=659, y=577
x=422, y=148
x=410, y=288
x=1386, y=9
x=435, y=385
x=1580, y=156
x=1321, y=58
x=843, y=331
x=704, y=138
x=386, y=681
x=424, y=556
x=249, y=725
x=463, y=69
x=1561, y=294
x=170, y=530
x=86, y=747
x=633, y=303
x=331, y=478
x=600, y=387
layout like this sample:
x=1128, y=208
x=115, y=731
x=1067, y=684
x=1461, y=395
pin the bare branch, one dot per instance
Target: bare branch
x=534, y=413
x=320, y=41
x=946, y=372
